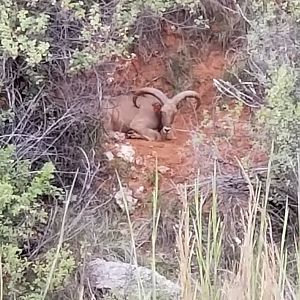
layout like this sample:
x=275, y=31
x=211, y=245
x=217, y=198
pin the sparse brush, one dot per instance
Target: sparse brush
x=240, y=242
x=261, y=270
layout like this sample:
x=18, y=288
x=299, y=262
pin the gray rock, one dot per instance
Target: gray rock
x=124, y=279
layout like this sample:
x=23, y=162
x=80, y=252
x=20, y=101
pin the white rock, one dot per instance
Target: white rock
x=139, y=161
x=125, y=194
x=109, y=155
x=119, y=136
x=163, y=169
x=134, y=176
x=74, y=198
x=139, y=192
x=126, y=152
x=141, y=189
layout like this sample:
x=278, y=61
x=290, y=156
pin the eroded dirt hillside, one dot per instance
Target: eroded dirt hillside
x=216, y=131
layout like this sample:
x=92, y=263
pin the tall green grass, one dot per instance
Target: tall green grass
x=262, y=270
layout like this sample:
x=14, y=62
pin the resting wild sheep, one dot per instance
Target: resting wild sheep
x=151, y=119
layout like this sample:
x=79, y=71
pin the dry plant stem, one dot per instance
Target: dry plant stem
x=1, y=279
x=155, y=221
x=216, y=225
x=198, y=225
x=135, y=262
x=297, y=242
x=298, y=191
x=267, y=254
x=282, y=257
x=27, y=115
x=227, y=89
x=183, y=244
x=255, y=268
x=71, y=228
x=60, y=241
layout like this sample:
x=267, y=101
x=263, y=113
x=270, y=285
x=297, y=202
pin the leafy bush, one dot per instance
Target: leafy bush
x=43, y=43
x=99, y=31
x=273, y=42
x=268, y=76
x=281, y=116
x=21, y=214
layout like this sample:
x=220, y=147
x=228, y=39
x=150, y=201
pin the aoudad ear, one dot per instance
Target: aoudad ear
x=157, y=107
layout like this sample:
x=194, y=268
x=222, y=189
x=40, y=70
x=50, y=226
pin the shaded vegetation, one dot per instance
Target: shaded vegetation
x=56, y=62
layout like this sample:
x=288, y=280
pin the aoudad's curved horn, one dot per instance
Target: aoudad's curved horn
x=183, y=95
x=159, y=95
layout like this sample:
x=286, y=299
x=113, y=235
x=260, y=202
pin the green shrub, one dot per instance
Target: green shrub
x=28, y=30
x=273, y=65
x=281, y=115
x=22, y=32
x=21, y=213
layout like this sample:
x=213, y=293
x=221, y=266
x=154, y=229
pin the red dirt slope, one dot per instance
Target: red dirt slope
x=224, y=135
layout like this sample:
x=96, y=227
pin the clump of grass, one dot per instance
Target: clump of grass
x=263, y=269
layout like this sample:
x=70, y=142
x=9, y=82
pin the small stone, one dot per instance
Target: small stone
x=237, y=240
x=141, y=189
x=126, y=152
x=109, y=155
x=124, y=232
x=125, y=194
x=74, y=198
x=134, y=176
x=119, y=136
x=139, y=161
x=138, y=193
x=163, y=169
